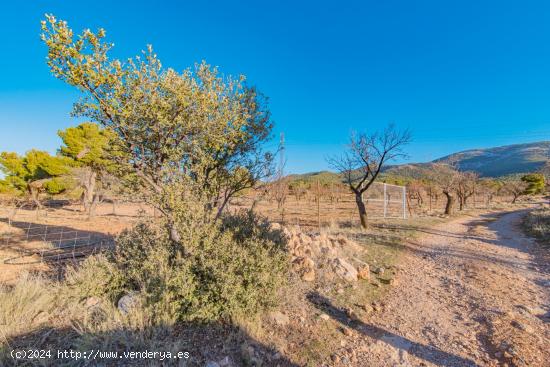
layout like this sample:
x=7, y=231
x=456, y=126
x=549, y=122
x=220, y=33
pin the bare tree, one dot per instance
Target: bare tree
x=446, y=177
x=516, y=188
x=364, y=159
x=466, y=187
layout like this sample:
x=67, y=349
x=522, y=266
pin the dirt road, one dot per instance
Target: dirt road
x=472, y=292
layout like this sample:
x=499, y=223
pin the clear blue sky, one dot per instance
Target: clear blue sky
x=460, y=74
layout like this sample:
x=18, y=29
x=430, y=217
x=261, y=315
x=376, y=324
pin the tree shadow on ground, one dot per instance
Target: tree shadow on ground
x=53, y=245
x=426, y=352
x=226, y=345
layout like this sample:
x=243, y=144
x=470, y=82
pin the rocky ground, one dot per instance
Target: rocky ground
x=470, y=292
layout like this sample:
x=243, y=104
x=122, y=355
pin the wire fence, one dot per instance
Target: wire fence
x=323, y=205
x=40, y=243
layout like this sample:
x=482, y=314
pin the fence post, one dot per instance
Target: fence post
x=385, y=201
x=404, y=202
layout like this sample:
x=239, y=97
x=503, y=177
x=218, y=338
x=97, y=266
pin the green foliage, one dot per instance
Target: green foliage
x=228, y=269
x=535, y=183
x=309, y=180
x=86, y=144
x=194, y=130
x=537, y=224
x=34, y=165
x=57, y=185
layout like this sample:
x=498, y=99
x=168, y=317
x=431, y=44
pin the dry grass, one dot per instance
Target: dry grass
x=537, y=224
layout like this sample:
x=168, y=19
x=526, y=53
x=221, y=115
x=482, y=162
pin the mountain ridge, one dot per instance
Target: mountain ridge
x=487, y=162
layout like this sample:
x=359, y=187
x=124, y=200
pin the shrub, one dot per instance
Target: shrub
x=537, y=224
x=222, y=270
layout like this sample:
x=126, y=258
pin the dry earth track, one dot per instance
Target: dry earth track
x=472, y=292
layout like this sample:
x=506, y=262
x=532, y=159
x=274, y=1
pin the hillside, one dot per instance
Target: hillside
x=500, y=161
x=488, y=162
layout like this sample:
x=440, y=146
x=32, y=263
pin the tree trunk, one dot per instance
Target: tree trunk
x=93, y=206
x=450, y=203
x=89, y=189
x=362, y=210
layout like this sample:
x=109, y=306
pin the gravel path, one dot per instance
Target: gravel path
x=472, y=292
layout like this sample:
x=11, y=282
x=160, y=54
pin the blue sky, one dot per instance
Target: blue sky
x=459, y=74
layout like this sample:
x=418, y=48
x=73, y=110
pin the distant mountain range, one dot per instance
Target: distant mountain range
x=501, y=161
x=488, y=162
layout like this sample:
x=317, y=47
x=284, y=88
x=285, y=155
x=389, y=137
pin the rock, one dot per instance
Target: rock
x=212, y=364
x=279, y=318
x=379, y=271
x=347, y=332
x=344, y=269
x=92, y=302
x=309, y=275
x=128, y=302
x=324, y=316
x=364, y=272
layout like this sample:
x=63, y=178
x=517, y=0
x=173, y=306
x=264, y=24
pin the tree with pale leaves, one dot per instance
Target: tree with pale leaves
x=190, y=134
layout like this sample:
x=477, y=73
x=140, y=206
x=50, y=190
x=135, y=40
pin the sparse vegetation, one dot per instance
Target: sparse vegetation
x=212, y=256
x=537, y=224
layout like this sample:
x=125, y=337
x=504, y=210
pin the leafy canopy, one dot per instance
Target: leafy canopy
x=35, y=165
x=86, y=144
x=194, y=129
x=535, y=183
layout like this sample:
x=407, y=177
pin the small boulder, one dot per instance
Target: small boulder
x=128, y=302
x=344, y=269
x=92, y=302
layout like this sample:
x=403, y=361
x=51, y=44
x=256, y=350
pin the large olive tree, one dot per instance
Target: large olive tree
x=190, y=133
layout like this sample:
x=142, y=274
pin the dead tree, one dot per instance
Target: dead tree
x=364, y=159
